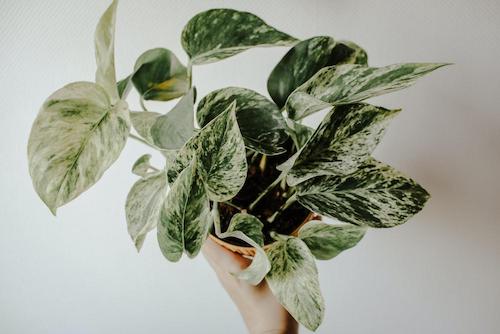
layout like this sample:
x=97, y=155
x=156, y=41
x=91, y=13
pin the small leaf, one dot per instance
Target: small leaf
x=376, y=195
x=76, y=136
x=261, y=123
x=221, y=33
x=260, y=266
x=172, y=130
x=160, y=76
x=143, y=206
x=299, y=133
x=352, y=83
x=105, y=52
x=143, y=121
x=346, y=52
x=344, y=139
x=250, y=225
x=327, y=241
x=185, y=218
x=142, y=166
x=293, y=279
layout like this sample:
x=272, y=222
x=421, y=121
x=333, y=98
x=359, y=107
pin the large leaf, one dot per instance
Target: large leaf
x=305, y=59
x=143, y=121
x=260, y=266
x=293, y=279
x=185, y=217
x=76, y=136
x=172, y=130
x=105, y=52
x=250, y=225
x=376, y=195
x=352, y=83
x=327, y=241
x=160, y=76
x=221, y=33
x=222, y=157
x=261, y=123
x=344, y=139
x=143, y=206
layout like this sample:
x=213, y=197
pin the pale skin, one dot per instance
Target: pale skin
x=261, y=311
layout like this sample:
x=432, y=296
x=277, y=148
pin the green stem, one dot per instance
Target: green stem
x=141, y=102
x=285, y=206
x=233, y=205
x=139, y=139
x=268, y=189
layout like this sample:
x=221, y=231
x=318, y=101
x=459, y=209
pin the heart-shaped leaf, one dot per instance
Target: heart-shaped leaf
x=105, y=52
x=160, y=76
x=344, y=84
x=143, y=206
x=327, y=241
x=185, y=217
x=76, y=136
x=293, y=279
x=250, y=225
x=142, y=167
x=344, y=139
x=172, y=130
x=261, y=123
x=376, y=195
x=221, y=33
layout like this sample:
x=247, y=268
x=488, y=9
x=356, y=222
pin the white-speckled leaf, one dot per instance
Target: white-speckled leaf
x=376, y=195
x=293, y=279
x=172, y=130
x=260, y=266
x=250, y=225
x=343, y=140
x=299, y=133
x=76, y=136
x=327, y=241
x=105, y=52
x=143, y=206
x=185, y=217
x=221, y=33
x=347, y=52
x=261, y=123
x=142, y=166
x=352, y=83
x=143, y=121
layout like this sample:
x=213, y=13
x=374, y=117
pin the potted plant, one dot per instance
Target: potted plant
x=250, y=175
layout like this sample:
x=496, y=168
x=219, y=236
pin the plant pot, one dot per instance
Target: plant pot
x=250, y=251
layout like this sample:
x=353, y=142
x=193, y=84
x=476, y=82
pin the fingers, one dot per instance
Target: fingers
x=223, y=260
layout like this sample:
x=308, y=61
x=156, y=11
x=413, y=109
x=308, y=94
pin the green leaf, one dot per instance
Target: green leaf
x=346, y=52
x=123, y=87
x=376, y=195
x=260, y=266
x=143, y=206
x=143, y=121
x=142, y=166
x=344, y=139
x=352, y=83
x=185, y=218
x=76, y=136
x=293, y=279
x=160, y=76
x=261, y=123
x=250, y=225
x=327, y=241
x=221, y=153
x=299, y=133
x=172, y=130
x=221, y=33
x=105, y=52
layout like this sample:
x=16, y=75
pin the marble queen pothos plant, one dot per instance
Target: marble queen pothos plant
x=251, y=173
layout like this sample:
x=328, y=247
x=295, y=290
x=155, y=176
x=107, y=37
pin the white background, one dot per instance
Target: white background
x=79, y=272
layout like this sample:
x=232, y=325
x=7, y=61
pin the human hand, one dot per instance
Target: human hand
x=260, y=309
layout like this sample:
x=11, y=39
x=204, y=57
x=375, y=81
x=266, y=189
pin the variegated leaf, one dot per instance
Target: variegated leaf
x=344, y=139
x=250, y=225
x=185, y=217
x=105, y=52
x=221, y=33
x=260, y=266
x=352, y=83
x=347, y=52
x=160, y=76
x=376, y=195
x=261, y=123
x=142, y=166
x=293, y=279
x=299, y=133
x=327, y=241
x=143, y=206
x=143, y=121
x=76, y=136
x=123, y=87
x=172, y=130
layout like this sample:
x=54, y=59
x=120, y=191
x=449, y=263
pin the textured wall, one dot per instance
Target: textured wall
x=79, y=272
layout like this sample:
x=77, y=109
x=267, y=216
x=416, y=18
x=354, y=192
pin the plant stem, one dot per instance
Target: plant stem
x=285, y=206
x=190, y=74
x=139, y=139
x=233, y=205
x=268, y=189
x=141, y=102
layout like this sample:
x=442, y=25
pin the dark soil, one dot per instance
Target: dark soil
x=257, y=180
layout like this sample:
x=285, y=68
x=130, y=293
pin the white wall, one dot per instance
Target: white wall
x=79, y=272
